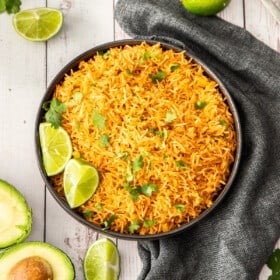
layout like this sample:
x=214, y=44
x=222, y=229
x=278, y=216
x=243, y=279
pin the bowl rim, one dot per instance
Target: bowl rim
x=87, y=55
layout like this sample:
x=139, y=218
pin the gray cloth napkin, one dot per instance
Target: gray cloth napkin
x=235, y=241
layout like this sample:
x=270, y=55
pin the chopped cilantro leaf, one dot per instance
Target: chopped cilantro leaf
x=134, y=226
x=88, y=213
x=129, y=177
x=144, y=57
x=128, y=72
x=105, y=140
x=173, y=67
x=99, y=121
x=181, y=164
x=158, y=77
x=200, y=105
x=163, y=134
x=98, y=206
x=54, y=109
x=148, y=189
x=170, y=117
x=274, y=264
x=2, y=6
x=180, y=207
x=138, y=164
x=134, y=194
x=223, y=122
x=149, y=223
x=10, y=6
x=104, y=53
x=160, y=133
x=107, y=223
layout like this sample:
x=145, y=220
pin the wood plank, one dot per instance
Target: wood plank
x=234, y=13
x=84, y=27
x=131, y=264
x=21, y=85
x=262, y=24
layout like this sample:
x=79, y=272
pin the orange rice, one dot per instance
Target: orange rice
x=166, y=144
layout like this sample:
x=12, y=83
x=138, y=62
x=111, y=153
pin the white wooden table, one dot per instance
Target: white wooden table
x=26, y=69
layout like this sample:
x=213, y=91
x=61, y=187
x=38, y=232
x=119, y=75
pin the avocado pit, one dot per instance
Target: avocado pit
x=31, y=268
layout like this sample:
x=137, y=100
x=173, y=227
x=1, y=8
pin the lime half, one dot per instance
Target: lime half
x=38, y=24
x=205, y=7
x=79, y=182
x=56, y=148
x=102, y=261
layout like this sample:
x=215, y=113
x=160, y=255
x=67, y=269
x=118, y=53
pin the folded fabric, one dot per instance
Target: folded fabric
x=237, y=238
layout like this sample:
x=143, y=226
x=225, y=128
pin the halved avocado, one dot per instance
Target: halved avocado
x=15, y=216
x=35, y=260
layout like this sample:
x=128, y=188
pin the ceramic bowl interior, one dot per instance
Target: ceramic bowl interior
x=73, y=65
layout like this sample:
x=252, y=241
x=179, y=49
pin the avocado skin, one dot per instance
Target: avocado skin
x=61, y=264
x=20, y=199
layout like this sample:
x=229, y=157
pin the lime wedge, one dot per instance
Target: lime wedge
x=38, y=24
x=80, y=182
x=56, y=148
x=205, y=7
x=102, y=261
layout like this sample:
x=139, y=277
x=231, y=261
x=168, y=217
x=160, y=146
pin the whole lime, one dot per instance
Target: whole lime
x=205, y=7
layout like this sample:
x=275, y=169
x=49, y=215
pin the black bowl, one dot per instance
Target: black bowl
x=73, y=65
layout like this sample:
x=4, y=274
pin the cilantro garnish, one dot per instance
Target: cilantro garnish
x=138, y=164
x=104, y=53
x=144, y=57
x=88, y=213
x=200, y=104
x=134, y=226
x=274, y=264
x=149, y=223
x=128, y=72
x=105, y=140
x=98, y=120
x=173, y=67
x=10, y=6
x=134, y=194
x=180, y=207
x=223, y=122
x=146, y=189
x=129, y=176
x=98, y=206
x=158, y=77
x=162, y=133
x=181, y=164
x=107, y=223
x=54, y=109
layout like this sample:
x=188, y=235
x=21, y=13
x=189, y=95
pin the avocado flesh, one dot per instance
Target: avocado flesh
x=62, y=267
x=15, y=216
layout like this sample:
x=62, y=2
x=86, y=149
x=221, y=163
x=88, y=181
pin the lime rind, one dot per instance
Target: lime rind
x=15, y=216
x=39, y=24
x=205, y=7
x=102, y=261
